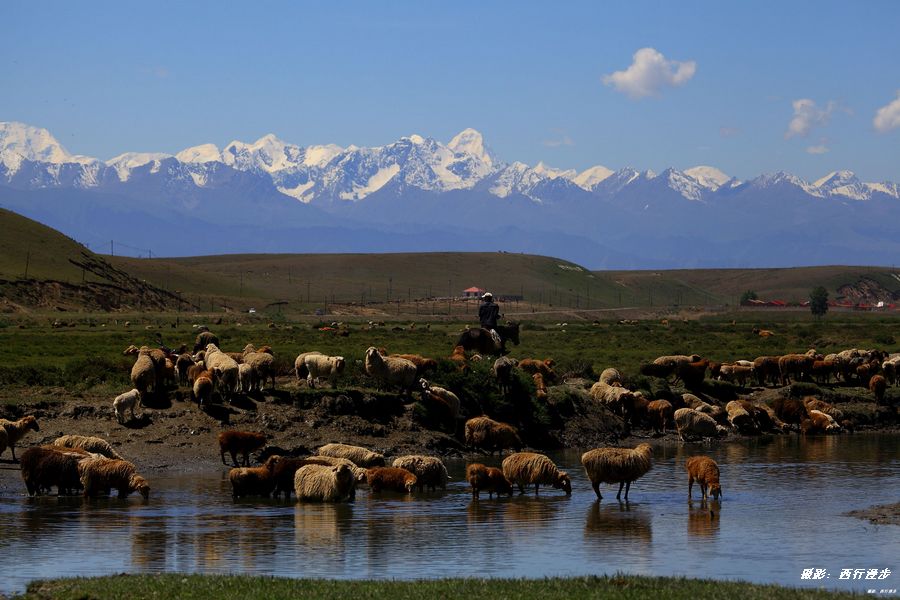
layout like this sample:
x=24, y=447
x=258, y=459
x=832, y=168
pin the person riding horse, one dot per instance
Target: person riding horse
x=489, y=314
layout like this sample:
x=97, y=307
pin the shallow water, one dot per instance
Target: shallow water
x=782, y=513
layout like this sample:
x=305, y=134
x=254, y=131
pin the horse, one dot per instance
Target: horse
x=480, y=340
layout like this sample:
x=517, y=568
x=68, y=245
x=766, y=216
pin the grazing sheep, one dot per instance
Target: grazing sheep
x=390, y=371
x=877, y=385
x=183, y=362
x=692, y=373
x=300, y=364
x=321, y=483
x=429, y=470
x=318, y=365
x=44, y=467
x=124, y=402
x=736, y=373
x=361, y=457
x=766, y=370
x=617, y=465
x=489, y=479
x=449, y=399
x=99, y=475
x=704, y=471
x=423, y=364
x=635, y=409
x=203, y=387
x=333, y=461
x=610, y=376
x=243, y=442
x=813, y=403
x=490, y=435
x=393, y=479
x=286, y=469
x=534, y=366
x=823, y=370
x=254, y=481
x=613, y=396
x=246, y=378
x=94, y=445
x=691, y=423
x=819, y=422
x=262, y=364
x=503, y=370
x=225, y=369
x=660, y=414
x=143, y=374
x=527, y=468
x=796, y=366
x=15, y=431
x=790, y=410
x=716, y=412
x=740, y=418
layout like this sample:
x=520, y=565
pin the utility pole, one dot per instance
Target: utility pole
x=27, y=260
x=307, y=293
x=111, y=250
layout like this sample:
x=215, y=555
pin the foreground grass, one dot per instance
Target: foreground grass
x=223, y=587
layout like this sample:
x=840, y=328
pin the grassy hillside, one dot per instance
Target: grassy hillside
x=29, y=249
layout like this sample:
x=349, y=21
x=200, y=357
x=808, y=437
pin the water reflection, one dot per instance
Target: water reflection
x=616, y=522
x=703, y=519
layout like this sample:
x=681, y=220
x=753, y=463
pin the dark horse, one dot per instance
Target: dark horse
x=480, y=340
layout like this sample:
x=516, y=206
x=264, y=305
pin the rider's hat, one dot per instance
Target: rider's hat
x=487, y=296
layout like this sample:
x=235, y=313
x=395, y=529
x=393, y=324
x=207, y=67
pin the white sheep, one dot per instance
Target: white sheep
x=225, y=369
x=691, y=423
x=246, y=378
x=300, y=364
x=319, y=365
x=443, y=394
x=124, y=402
x=390, y=371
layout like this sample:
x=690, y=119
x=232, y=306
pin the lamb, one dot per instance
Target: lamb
x=527, y=468
x=877, y=385
x=254, y=481
x=100, y=474
x=503, y=372
x=489, y=479
x=15, y=431
x=740, y=418
x=321, y=483
x=704, y=471
x=360, y=456
x=390, y=371
x=660, y=413
x=243, y=442
x=429, y=470
x=203, y=387
x=691, y=423
x=487, y=434
x=450, y=399
x=46, y=466
x=617, y=465
x=225, y=369
x=318, y=365
x=300, y=364
x=393, y=479
x=534, y=366
x=94, y=445
x=124, y=402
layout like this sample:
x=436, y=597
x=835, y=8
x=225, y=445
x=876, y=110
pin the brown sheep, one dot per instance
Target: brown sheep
x=540, y=387
x=423, y=364
x=704, y=471
x=527, y=468
x=100, y=474
x=813, y=403
x=740, y=418
x=692, y=423
x=766, y=370
x=819, y=422
x=459, y=357
x=489, y=479
x=390, y=478
x=796, y=366
x=487, y=434
x=15, y=431
x=44, y=467
x=503, y=373
x=243, y=442
x=878, y=385
x=660, y=413
x=692, y=373
x=320, y=483
x=738, y=374
x=254, y=481
x=203, y=388
x=534, y=366
x=429, y=470
x=617, y=465
x=822, y=370
x=790, y=410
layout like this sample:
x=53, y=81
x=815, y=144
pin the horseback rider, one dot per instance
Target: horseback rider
x=488, y=314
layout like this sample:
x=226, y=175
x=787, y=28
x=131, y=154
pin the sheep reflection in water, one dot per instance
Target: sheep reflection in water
x=610, y=524
x=703, y=519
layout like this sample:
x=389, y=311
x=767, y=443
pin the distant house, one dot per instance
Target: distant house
x=473, y=292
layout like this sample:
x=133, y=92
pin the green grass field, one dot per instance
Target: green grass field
x=618, y=587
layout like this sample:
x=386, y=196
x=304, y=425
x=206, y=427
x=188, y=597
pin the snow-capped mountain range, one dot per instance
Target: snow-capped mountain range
x=418, y=193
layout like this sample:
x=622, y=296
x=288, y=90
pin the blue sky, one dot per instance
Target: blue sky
x=537, y=79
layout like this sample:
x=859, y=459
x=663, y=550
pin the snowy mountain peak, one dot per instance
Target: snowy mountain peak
x=709, y=177
x=846, y=184
x=553, y=173
x=19, y=142
x=124, y=163
x=836, y=178
x=589, y=178
x=471, y=142
x=200, y=154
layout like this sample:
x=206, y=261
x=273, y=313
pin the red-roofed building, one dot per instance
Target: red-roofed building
x=473, y=292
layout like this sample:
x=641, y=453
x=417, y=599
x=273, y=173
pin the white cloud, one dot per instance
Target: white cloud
x=820, y=149
x=727, y=132
x=650, y=73
x=806, y=116
x=556, y=143
x=888, y=117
